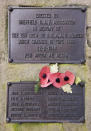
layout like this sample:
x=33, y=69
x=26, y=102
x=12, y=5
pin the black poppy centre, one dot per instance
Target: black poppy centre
x=44, y=76
x=58, y=80
x=66, y=78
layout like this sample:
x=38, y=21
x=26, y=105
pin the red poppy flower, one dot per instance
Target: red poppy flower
x=69, y=78
x=44, y=76
x=56, y=79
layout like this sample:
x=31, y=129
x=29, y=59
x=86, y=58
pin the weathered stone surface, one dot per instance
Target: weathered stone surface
x=37, y=2
x=89, y=69
x=21, y=72
x=88, y=105
x=29, y=72
x=74, y=127
x=89, y=37
x=79, y=2
x=89, y=17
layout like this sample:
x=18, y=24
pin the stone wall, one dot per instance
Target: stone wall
x=17, y=72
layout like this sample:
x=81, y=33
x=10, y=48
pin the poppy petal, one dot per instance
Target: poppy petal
x=70, y=76
x=44, y=75
x=44, y=81
x=44, y=71
x=56, y=79
x=46, y=84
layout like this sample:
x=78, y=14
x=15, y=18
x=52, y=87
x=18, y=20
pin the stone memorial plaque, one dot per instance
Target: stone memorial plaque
x=46, y=35
x=48, y=105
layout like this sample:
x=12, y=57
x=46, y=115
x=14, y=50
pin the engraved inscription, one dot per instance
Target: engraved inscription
x=49, y=104
x=47, y=35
